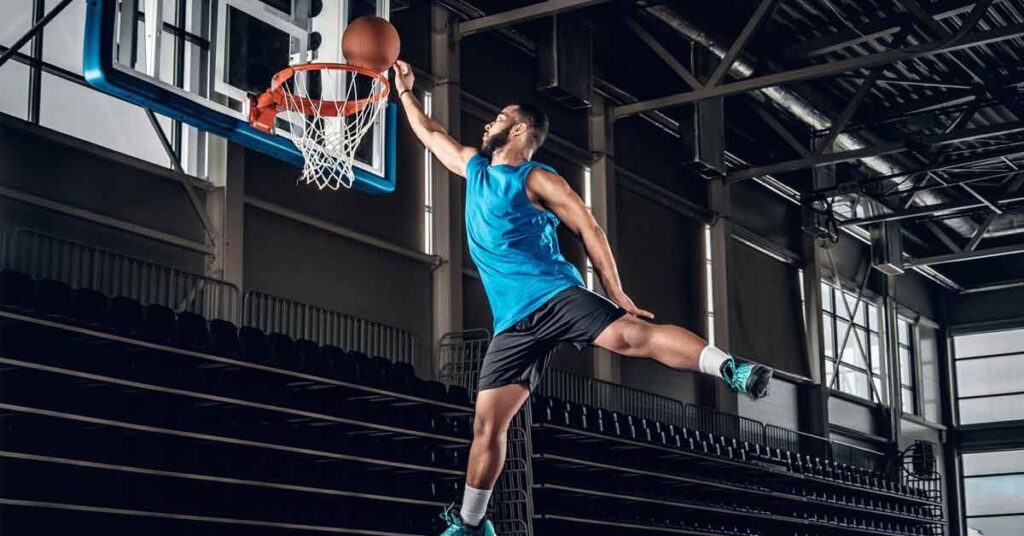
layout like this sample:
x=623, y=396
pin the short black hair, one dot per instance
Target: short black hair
x=536, y=120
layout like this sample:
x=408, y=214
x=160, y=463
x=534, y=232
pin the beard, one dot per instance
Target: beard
x=494, y=142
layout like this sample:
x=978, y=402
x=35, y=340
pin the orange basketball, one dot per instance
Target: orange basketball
x=371, y=42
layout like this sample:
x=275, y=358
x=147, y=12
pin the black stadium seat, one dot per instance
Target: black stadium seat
x=89, y=306
x=159, y=323
x=53, y=297
x=458, y=394
x=193, y=331
x=16, y=289
x=254, y=345
x=224, y=338
x=125, y=315
x=308, y=356
x=283, y=350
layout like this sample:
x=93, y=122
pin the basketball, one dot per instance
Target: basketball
x=371, y=42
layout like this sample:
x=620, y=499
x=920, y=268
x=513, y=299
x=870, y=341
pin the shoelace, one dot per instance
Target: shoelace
x=448, y=517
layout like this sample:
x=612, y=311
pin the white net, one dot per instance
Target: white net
x=327, y=114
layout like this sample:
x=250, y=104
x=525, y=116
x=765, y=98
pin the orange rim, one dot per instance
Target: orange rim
x=265, y=107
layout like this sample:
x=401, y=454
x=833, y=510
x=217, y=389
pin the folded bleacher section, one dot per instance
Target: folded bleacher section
x=120, y=415
x=613, y=460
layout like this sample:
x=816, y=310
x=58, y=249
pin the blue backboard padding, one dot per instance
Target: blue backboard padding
x=100, y=73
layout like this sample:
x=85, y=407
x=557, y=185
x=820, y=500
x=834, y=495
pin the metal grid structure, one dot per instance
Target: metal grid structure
x=114, y=274
x=326, y=327
x=613, y=397
x=906, y=110
x=459, y=358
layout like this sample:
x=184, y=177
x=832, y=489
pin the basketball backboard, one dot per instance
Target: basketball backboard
x=227, y=50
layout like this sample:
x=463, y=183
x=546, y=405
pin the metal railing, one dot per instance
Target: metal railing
x=611, y=396
x=83, y=266
x=724, y=424
x=327, y=327
x=459, y=356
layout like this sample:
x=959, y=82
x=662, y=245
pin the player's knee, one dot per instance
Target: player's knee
x=487, y=427
x=636, y=336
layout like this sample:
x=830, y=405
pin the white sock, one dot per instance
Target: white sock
x=474, y=505
x=711, y=359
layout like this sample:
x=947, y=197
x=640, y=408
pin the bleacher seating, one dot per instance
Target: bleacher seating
x=143, y=416
x=626, y=473
x=122, y=417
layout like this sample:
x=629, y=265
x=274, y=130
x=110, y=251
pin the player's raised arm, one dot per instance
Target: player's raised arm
x=451, y=153
x=552, y=192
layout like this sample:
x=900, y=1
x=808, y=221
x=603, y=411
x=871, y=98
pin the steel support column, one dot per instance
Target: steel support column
x=814, y=398
x=721, y=266
x=890, y=307
x=225, y=209
x=447, y=187
x=607, y=366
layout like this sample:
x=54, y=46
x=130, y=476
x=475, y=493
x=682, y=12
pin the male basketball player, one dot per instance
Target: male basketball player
x=513, y=205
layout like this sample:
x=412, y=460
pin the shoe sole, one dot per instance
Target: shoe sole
x=760, y=382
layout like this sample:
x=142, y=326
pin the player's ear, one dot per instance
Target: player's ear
x=518, y=128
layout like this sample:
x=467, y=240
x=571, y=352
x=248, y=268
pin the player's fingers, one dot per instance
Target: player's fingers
x=645, y=314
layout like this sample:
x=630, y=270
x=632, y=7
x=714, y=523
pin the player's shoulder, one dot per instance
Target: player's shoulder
x=544, y=178
x=474, y=160
x=543, y=173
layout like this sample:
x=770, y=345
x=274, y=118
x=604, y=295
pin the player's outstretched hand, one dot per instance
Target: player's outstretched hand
x=626, y=303
x=404, y=77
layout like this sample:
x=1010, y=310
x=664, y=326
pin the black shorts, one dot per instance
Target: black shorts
x=521, y=353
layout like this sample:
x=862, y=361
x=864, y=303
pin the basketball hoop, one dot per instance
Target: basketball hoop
x=327, y=109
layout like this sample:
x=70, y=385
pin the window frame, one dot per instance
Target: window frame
x=832, y=302
x=187, y=142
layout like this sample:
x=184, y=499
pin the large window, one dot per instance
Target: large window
x=588, y=200
x=990, y=376
x=54, y=94
x=993, y=484
x=853, y=349
x=428, y=184
x=908, y=366
x=710, y=295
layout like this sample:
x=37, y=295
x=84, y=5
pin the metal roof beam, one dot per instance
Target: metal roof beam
x=523, y=14
x=871, y=31
x=955, y=136
x=820, y=71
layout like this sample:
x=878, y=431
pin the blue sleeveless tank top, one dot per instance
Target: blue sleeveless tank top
x=513, y=244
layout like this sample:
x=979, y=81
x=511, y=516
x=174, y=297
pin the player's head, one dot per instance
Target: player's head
x=521, y=126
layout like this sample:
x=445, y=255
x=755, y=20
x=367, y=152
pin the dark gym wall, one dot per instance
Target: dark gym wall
x=297, y=261
x=92, y=178
x=656, y=155
x=767, y=214
x=661, y=266
x=501, y=74
x=921, y=295
x=997, y=307
x=766, y=311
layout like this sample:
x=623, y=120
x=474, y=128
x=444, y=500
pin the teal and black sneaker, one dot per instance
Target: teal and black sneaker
x=456, y=527
x=750, y=379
